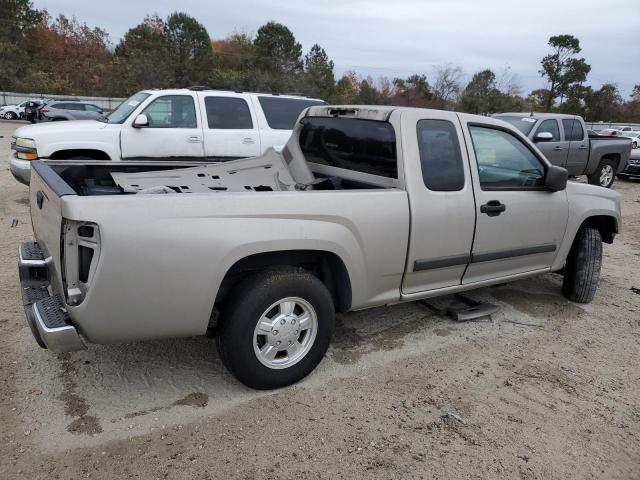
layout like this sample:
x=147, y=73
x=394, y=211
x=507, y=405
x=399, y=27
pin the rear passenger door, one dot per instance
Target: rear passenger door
x=441, y=201
x=555, y=150
x=578, y=146
x=230, y=130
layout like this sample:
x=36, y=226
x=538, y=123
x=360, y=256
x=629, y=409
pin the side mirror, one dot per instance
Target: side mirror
x=556, y=178
x=543, y=137
x=141, y=121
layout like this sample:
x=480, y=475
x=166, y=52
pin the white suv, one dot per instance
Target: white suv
x=195, y=125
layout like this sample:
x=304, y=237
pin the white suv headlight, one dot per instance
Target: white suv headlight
x=26, y=142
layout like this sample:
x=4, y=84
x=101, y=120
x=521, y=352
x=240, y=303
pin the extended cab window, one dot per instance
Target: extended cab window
x=172, y=111
x=440, y=157
x=365, y=146
x=572, y=129
x=550, y=126
x=228, y=113
x=282, y=113
x=504, y=162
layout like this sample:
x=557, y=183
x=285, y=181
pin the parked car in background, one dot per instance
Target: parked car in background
x=363, y=207
x=189, y=125
x=634, y=136
x=632, y=169
x=58, y=110
x=564, y=141
x=13, y=112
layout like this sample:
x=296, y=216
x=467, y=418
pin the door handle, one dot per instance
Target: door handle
x=582, y=147
x=493, y=208
x=558, y=148
x=194, y=139
x=248, y=141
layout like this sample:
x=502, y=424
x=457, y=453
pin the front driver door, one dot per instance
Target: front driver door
x=519, y=223
x=555, y=150
x=174, y=131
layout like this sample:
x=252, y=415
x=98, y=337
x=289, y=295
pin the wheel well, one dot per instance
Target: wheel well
x=606, y=225
x=327, y=266
x=66, y=154
x=614, y=157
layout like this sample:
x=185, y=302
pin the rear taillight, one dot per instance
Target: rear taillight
x=44, y=110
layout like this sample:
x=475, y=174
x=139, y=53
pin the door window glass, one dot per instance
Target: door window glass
x=172, y=111
x=282, y=113
x=504, y=162
x=550, y=126
x=228, y=113
x=572, y=129
x=440, y=157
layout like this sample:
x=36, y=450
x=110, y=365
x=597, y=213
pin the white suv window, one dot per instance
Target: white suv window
x=172, y=111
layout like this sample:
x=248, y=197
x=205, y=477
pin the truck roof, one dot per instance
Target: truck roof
x=537, y=115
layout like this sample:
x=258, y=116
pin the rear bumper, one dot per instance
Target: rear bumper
x=21, y=169
x=46, y=314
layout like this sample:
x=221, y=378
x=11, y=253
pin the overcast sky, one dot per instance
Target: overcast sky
x=401, y=37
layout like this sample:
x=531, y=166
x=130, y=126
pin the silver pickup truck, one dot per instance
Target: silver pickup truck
x=565, y=142
x=364, y=206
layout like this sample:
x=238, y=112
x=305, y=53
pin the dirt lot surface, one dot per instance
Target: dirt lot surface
x=402, y=393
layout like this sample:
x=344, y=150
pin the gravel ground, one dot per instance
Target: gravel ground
x=544, y=389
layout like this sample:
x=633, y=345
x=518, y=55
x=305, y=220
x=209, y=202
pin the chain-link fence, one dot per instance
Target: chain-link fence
x=13, y=98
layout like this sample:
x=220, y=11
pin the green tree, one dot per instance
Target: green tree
x=603, y=104
x=562, y=69
x=414, y=91
x=481, y=94
x=318, y=73
x=134, y=65
x=190, y=55
x=18, y=19
x=279, y=55
x=346, y=90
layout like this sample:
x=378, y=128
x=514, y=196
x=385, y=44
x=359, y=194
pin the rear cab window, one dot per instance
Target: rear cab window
x=440, y=156
x=281, y=113
x=364, y=146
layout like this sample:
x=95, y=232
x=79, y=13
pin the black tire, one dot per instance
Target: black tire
x=10, y=116
x=58, y=119
x=248, y=302
x=635, y=144
x=595, y=177
x=582, y=271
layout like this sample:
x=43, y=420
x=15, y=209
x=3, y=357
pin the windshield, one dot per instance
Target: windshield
x=120, y=114
x=524, y=124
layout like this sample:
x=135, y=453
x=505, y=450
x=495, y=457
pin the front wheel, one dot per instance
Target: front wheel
x=10, y=116
x=604, y=174
x=276, y=327
x=582, y=271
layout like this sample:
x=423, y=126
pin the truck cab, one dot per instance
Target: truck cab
x=564, y=140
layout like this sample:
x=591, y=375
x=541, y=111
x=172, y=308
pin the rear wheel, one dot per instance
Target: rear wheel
x=604, y=174
x=582, y=271
x=276, y=327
